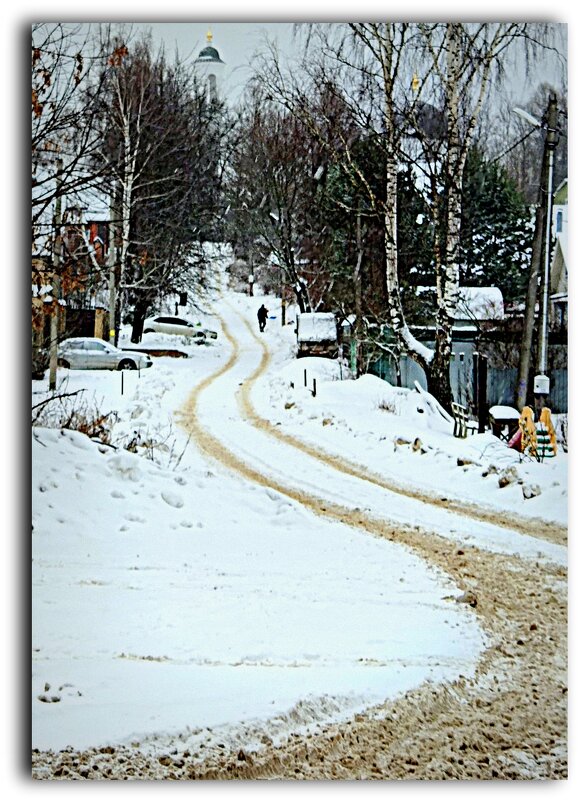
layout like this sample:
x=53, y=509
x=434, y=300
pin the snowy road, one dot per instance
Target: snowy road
x=224, y=408
x=166, y=603
x=235, y=602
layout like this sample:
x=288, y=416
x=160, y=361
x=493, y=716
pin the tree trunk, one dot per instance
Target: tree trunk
x=358, y=324
x=438, y=379
x=521, y=398
x=536, y=262
x=302, y=299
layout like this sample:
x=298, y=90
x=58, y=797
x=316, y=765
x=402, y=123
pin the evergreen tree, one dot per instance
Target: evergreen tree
x=496, y=229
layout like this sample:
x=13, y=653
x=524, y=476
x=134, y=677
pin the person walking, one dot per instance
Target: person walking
x=262, y=317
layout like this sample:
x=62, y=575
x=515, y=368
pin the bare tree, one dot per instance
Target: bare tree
x=371, y=65
x=162, y=148
x=271, y=192
x=65, y=58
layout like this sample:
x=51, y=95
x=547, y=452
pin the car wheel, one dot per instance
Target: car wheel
x=127, y=364
x=63, y=363
x=148, y=331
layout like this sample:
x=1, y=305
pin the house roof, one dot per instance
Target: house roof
x=561, y=193
x=480, y=303
x=476, y=302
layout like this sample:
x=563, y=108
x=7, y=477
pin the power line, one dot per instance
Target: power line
x=512, y=147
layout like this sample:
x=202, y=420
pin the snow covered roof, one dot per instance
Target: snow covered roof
x=475, y=302
x=480, y=303
x=316, y=327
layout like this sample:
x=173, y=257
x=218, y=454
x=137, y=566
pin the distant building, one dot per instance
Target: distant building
x=559, y=266
x=210, y=68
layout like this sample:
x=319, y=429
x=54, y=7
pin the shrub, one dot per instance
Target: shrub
x=72, y=411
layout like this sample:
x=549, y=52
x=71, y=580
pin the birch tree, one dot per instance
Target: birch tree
x=163, y=151
x=428, y=120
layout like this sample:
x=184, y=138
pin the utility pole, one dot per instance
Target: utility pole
x=540, y=246
x=551, y=142
x=530, y=310
x=56, y=254
x=112, y=262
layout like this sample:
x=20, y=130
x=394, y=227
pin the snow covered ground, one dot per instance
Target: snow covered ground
x=171, y=597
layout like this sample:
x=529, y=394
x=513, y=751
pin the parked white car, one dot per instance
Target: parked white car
x=164, y=324
x=92, y=353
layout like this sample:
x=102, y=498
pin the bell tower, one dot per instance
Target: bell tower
x=210, y=68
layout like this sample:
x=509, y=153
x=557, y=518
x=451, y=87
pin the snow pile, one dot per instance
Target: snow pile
x=159, y=609
x=171, y=595
x=322, y=369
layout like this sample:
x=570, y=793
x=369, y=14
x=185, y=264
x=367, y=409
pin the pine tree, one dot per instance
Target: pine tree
x=496, y=229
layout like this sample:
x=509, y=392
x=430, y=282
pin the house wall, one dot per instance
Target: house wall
x=72, y=323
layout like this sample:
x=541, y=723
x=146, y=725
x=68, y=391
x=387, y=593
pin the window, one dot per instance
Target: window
x=212, y=84
x=95, y=346
x=559, y=217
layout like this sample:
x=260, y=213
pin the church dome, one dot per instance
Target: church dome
x=209, y=54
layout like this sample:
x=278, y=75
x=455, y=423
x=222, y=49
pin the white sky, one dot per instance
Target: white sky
x=238, y=41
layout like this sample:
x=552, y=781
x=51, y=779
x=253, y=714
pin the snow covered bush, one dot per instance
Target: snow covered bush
x=387, y=406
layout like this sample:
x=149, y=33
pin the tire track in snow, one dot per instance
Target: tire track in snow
x=213, y=447
x=509, y=722
x=540, y=529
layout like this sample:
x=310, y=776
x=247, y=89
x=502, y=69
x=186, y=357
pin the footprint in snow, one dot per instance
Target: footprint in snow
x=172, y=499
x=54, y=697
x=117, y=494
x=133, y=518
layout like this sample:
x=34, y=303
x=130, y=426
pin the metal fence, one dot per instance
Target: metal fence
x=501, y=382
